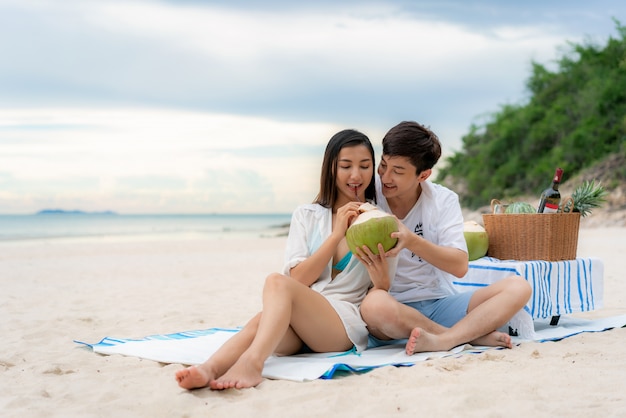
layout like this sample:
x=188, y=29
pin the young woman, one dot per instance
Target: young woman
x=315, y=303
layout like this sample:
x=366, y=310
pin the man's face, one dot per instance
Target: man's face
x=398, y=177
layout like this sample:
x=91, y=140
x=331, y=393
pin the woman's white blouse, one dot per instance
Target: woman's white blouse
x=310, y=226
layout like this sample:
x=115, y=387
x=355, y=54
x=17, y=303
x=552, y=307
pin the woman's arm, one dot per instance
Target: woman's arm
x=310, y=269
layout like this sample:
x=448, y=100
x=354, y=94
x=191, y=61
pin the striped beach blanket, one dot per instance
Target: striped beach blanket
x=194, y=347
x=559, y=287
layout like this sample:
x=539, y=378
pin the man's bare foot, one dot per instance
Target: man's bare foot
x=192, y=377
x=494, y=339
x=243, y=374
x=421, y=341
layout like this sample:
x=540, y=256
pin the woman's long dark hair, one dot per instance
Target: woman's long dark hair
x=328, y=184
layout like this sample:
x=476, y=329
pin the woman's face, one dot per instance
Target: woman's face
x=354, y=172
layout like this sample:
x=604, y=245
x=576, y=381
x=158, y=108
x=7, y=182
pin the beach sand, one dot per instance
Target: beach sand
x=56, y=291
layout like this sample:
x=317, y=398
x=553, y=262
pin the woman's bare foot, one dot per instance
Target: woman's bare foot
x=421, y=341
x=192, y=377
x=494, y=339
x=243, y=374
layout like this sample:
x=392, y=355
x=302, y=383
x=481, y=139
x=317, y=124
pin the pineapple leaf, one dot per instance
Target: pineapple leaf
x=587, y=196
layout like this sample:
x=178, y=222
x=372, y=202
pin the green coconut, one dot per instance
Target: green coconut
x=371, y=227
x=477, y=240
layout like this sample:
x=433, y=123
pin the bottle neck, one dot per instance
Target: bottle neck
x=557, y=178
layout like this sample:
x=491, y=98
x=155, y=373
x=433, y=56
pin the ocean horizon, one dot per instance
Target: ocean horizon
x=53, y=224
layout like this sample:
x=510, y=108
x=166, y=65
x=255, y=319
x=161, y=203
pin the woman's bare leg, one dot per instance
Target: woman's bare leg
x=200, y=376
x=287, y=306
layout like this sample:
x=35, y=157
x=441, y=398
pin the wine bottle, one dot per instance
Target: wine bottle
x=551, y=197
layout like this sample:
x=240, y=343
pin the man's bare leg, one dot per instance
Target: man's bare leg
x=489, y=309
x=388, y=319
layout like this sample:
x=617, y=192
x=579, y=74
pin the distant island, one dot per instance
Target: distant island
x=73, y=212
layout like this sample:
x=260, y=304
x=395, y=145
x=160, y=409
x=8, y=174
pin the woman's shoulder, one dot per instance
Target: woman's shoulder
x=310, y=209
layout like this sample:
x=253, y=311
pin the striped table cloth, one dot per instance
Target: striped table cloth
x=559, y=287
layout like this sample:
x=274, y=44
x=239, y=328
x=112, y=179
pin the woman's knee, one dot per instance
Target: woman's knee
x=276, y=281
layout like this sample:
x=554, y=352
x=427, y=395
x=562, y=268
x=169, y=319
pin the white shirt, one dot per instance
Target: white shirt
x=310, y=226
x=437, y=217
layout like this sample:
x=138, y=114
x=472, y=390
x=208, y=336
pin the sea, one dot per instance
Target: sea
x=85, y=225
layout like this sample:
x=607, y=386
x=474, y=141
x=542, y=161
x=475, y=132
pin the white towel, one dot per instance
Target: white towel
x=559, y=287
x=193, y=347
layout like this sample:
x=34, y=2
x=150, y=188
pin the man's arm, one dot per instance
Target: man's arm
x=449, y=259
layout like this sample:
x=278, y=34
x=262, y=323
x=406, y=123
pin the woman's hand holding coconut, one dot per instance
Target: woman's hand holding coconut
x=344, y=217
x=376, y=265
x=369, y=236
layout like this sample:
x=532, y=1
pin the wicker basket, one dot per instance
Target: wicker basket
x=550, y=237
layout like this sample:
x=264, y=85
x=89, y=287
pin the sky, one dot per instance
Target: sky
x=183, y=106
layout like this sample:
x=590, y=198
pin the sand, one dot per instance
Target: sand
x=55, y=291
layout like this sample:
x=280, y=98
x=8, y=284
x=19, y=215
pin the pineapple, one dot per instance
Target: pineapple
x=587, y=196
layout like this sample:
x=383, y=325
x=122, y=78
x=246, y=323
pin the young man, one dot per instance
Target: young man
x=420, y=304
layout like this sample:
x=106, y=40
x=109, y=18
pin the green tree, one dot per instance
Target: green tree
x=574, y=116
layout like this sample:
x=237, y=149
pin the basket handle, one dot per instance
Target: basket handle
x=567, y=203
x=494, y=202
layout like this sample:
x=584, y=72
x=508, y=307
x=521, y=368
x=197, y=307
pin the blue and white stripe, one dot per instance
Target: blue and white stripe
x=559, y=287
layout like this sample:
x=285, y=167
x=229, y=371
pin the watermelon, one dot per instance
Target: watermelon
x=520, y=207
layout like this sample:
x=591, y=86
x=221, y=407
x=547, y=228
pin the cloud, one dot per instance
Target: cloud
x=336, y=63
x=118, y=157
x=191, y=106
